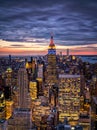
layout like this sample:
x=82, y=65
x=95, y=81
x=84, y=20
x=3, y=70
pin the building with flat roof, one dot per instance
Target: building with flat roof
x=21, y=119
x=69, y=97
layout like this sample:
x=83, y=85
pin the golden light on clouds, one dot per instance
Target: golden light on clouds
x=34, y=48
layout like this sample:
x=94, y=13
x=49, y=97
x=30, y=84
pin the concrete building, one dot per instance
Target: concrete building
x=21, y=119
x=40, y=71
x=23, y=87
x=9, y=77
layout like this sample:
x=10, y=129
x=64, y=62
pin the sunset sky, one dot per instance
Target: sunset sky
x=25, y=26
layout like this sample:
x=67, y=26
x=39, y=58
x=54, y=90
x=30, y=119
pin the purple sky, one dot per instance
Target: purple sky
x=73, y=22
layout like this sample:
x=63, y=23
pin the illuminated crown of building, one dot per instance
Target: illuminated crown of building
x=52, y=48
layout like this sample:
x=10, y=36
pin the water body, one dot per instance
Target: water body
x=90, y=59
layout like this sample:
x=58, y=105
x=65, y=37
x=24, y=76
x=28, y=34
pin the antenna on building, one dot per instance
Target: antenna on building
x=51, y=40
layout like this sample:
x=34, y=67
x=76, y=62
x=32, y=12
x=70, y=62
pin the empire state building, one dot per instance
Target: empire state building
x=51, y=69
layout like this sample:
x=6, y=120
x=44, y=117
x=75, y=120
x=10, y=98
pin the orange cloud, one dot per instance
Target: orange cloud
x=17, y=48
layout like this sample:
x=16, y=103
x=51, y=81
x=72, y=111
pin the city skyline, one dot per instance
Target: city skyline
x=25, y=26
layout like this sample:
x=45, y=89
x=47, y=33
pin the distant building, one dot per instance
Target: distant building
x=67, y=52
x=9, y=59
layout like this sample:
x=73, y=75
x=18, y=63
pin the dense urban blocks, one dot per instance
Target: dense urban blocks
x=51, y=92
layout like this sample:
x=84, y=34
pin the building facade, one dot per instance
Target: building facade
x=69, y=97
x=51, y=68
x=23, y=87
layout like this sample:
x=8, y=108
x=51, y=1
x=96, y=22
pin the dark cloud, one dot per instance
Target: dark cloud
x=15, y=45
x=73, y=21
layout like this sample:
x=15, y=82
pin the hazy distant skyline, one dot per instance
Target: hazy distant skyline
x=25, y=26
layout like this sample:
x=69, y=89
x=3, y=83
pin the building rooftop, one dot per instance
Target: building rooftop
x=9, y=69
x=22, y=109
x=68, y=76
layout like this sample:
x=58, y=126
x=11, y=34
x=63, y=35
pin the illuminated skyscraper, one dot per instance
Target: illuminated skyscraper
x=69, y=97
x=51, y=69
x=67, y=52
x=9, y=77
x=31, y=68
x=8, y=87
x=23, y=94
x=52, y=72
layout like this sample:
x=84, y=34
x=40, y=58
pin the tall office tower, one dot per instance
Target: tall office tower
x=8, y=93
x=9, y=77
x=21, y=119
x=51, y=69
x=67, y=52
x=69, y=97
x=23, y=94
x=39, y=86
x=31, y=68
x=51, y=79
x=40, y=71
x=2, y=105
x=9, y=59
x=34, y=64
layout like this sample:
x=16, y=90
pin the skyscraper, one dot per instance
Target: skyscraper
x=67, y=52
x=51, y=79
x=51, y=69
x=9, y=77
x=23, y=94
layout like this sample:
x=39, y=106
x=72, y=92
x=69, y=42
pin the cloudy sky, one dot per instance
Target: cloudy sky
x=25, y=26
